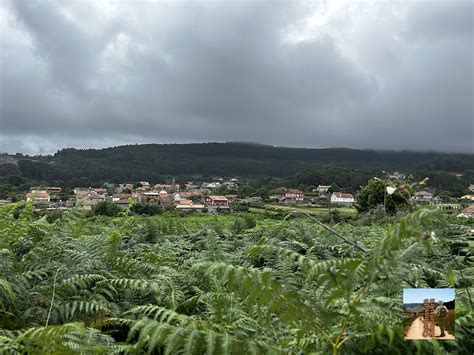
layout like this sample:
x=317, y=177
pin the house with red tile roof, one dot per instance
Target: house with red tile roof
x=339, y=197
x=291, y=196
x=216, y=201
x=38, y=197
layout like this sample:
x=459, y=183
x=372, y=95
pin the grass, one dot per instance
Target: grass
x=311, y=209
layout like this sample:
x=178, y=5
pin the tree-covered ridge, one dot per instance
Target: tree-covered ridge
x=153, y=161
x=222, y=284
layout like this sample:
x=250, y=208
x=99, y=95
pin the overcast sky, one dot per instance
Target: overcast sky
x=395, y=75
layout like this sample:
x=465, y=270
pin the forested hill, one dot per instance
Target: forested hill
x=152, y=161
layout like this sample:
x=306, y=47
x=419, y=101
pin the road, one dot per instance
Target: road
x=416, y=331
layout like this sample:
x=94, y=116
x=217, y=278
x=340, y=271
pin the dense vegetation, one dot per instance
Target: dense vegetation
x=223, y=284
x=153, y=161
x=265, y=167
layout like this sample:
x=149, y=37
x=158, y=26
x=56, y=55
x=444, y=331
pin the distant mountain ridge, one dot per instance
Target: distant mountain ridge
x=153, y=161
x=412, y=306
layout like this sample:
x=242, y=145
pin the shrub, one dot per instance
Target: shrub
x=106, y=208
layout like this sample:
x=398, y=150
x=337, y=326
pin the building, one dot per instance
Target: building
x=53, y=190
x=467, y=212
x=216, y=201
x=189, y=186
x=189, y=206
x=471, y=187
x=396, y=175
x=127, y=185
x=87, y=197
x=184, y=202
x=39, y=190
x=467, y=198
x=118, y=197
x=5, y=202
x=145, y=184
x=422, y=197
x=291, y=196
x=211, y=185
x=322, y=189
x=38, y=197
x=77, y=190
x=122, y=203
x=162, y=198
x=167, y=187
x=185, y=195
x=230, y=184
x=202, y=191
x=99, y=190
x=342, y=198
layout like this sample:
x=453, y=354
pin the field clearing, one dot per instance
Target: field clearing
x=312, y=210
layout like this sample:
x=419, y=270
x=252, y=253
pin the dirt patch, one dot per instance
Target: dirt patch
x=416, y=331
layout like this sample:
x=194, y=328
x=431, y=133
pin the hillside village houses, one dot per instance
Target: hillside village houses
x=291, y=196
x=216, y=202
x=192, y=196
x=189, y=196
x=342, y=198
x=471, y=187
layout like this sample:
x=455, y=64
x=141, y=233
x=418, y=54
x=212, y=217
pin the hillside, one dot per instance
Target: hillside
x=153, y=161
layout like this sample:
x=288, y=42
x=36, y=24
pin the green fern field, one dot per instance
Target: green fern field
x=234, y=284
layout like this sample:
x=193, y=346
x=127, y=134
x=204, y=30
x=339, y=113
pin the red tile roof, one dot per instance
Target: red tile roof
x=32, y=194
x=293, y=191
x=185, y=202
x=218, y=198
x=341, y=195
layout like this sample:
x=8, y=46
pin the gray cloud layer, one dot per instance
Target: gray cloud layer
x=366, y=75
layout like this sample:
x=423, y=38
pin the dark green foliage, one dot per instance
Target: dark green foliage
x=261, y=168
x=106, y=208
x=374, y=194
x=152, y=162
x=442, y=182
x=221, y=284
x=146, y=210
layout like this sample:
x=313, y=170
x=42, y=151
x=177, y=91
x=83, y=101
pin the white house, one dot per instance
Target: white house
x=322, y=189
x=211, y=185
x=422, y=197
x=291, y=196
x=339, y=197
x=467, y=198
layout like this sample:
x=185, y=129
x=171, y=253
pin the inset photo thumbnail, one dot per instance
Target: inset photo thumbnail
x=428, y=313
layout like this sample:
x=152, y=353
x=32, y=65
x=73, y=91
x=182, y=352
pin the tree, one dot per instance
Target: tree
x=374, y=194
x=106, y=208
x=445, y=196
x=334, y=188
x=149, y=210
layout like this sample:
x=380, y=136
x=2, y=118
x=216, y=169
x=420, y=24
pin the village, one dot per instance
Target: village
x=208, y=196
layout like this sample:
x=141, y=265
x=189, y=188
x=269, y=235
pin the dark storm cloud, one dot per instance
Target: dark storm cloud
x=366, y=76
